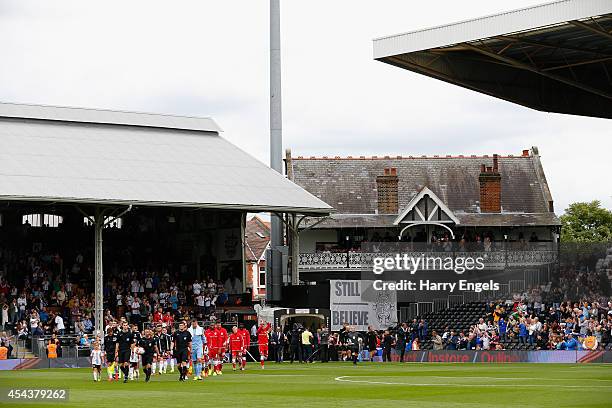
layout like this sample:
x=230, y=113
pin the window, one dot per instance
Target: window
x=116, y=223
x=32, y=220
x=262, y=276
x=39, y=220
x=51, y=220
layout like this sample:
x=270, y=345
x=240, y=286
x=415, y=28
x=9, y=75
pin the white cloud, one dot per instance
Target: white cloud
x=211, y=58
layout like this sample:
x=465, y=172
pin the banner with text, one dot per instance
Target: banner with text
x=348, y=306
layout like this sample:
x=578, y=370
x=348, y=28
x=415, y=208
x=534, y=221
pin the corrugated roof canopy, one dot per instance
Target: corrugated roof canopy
x=555, y=57
x=105, y=157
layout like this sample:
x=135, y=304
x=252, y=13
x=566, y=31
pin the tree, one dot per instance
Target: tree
x=586, y=222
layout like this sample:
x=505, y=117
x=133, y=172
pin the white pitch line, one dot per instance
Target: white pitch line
x=344, y=379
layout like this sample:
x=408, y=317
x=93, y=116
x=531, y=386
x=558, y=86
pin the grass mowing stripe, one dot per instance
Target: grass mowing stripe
x=408, y=385
x=412, y=384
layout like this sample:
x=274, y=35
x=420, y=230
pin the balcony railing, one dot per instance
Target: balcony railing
x=365, y=260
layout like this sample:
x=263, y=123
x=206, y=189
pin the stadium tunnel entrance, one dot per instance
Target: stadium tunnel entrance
x=312, y=319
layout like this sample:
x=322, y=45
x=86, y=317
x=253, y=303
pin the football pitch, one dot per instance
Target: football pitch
x=337, y=385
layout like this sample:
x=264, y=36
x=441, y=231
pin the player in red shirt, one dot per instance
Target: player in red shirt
x=213, y=351
x=263, y=332
x=236, y=345
x=222, y=340
x=246, y=336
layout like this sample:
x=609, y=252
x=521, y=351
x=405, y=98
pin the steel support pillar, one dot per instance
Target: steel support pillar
x=99, y=278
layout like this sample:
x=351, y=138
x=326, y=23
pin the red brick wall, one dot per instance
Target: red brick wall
x=490, y=192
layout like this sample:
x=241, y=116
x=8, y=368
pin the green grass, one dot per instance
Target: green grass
x=340, y=384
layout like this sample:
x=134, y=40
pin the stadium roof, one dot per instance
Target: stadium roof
x=554, y=57
x=58, y=154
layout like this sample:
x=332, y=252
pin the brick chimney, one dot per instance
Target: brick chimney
x=387, y=192
x=490, y=187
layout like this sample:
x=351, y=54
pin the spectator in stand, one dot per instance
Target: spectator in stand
x=22, y=302
x=87, y=324
x=453, y=341
x=570, y=344
x=522, y=331
x=501, y=328
x=35, y=324
x=437, y=341
x=4, y=321
x=482, y=326
x=534, y=330
x=422, y=330
x=13, y=312
x=22, y=330
x=158, y=315
x=58, y=321
x=135, y=316
x=168, y=320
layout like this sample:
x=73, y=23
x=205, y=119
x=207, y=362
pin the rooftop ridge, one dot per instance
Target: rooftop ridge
x=409, y=157
x=106, y=116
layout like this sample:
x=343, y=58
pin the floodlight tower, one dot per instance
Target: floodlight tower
x=276, y=144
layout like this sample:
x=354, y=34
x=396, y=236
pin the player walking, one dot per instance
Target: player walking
x=211, y=339
x=197, y=348
x=263, y=337
x=222, y=342
x=236, y=344
x=123, y=349
x=246, y=338
x=182, y=349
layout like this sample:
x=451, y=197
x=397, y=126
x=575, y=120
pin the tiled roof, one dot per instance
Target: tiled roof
x=257, y=238
x=349, y=185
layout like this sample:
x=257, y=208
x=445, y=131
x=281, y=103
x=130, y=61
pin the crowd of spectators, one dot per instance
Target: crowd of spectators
x=525, y=323
x=42, y=299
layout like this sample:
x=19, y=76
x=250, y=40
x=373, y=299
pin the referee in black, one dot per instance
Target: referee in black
x=149, y=345
x=182, y=349
x=125, y=339
x=352, y=343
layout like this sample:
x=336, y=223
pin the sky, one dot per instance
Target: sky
x=211, y=58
